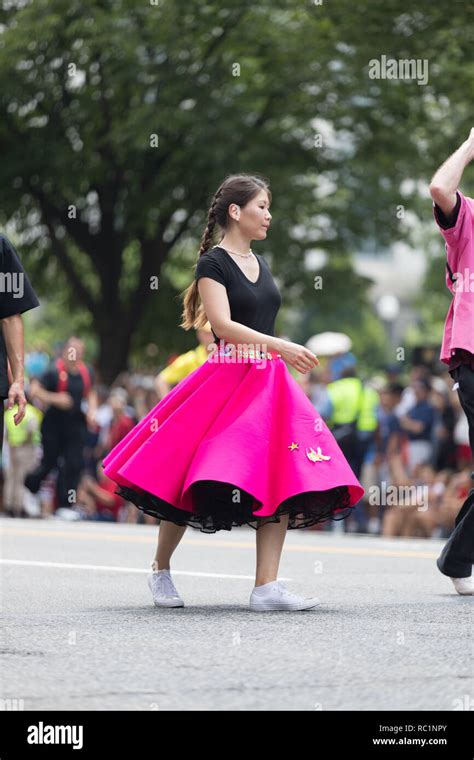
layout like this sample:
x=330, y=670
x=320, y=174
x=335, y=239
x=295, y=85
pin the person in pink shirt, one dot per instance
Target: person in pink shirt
x=454, y=214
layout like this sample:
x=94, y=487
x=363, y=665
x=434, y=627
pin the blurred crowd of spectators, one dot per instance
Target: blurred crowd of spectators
x=119, y=408
x=406, y=430
x=417, y=463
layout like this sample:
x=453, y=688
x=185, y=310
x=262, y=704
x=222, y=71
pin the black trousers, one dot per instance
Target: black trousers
x=457, y=557
x=61, y=436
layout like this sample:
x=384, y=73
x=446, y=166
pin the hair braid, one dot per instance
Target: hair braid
x=208, y=234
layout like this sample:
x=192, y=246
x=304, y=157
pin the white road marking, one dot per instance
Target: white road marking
x=118, y=569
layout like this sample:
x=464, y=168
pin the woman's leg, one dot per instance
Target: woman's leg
x=270, y=540
x=169, y=536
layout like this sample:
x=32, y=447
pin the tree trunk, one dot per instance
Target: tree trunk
x=115, y=335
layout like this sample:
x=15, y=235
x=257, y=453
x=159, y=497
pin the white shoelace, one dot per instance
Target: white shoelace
x=282, y=590
x=168, y=584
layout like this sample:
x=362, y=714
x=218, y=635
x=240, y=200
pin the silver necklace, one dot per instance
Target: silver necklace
x=245, y=255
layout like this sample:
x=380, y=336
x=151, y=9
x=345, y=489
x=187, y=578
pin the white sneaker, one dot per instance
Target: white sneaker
x=70, y=514
x=31, y=504
x=163, y=589
x=464, y=586
x=275, y=596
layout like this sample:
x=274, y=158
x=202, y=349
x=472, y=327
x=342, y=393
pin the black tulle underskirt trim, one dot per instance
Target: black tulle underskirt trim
x=216, y=510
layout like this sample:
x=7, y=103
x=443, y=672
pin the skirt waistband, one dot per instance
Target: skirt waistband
x=247, y=354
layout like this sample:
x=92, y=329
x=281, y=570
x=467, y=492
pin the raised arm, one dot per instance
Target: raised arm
x=445, y=182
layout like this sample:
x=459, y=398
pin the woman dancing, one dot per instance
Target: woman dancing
x=237, y=442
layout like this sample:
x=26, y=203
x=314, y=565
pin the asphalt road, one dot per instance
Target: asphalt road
x=81, y=631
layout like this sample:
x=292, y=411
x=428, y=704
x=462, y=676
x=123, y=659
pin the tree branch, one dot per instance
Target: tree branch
x=60, y=252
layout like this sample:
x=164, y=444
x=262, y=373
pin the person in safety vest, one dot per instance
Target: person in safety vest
x=352, y=416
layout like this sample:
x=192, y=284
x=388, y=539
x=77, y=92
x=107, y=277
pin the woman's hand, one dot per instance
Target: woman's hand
x=300, y=357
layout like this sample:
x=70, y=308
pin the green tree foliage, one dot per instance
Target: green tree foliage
x=119, y=119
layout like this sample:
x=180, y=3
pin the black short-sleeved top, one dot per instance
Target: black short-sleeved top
x=75, y=387
x=16, y=297
x=253, y=304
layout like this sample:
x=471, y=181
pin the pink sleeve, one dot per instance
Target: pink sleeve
x=463, y=227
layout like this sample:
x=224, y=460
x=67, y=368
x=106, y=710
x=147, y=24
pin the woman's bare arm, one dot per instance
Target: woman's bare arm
x=216, y=305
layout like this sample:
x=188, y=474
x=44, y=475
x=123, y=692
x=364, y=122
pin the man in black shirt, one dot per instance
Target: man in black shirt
x=16, y=297
x=64, y=388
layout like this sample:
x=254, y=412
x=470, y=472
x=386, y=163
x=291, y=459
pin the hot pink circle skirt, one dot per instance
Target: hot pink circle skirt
x=233, y=442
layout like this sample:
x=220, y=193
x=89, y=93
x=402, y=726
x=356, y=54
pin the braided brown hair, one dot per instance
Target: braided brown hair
x=236, y=188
